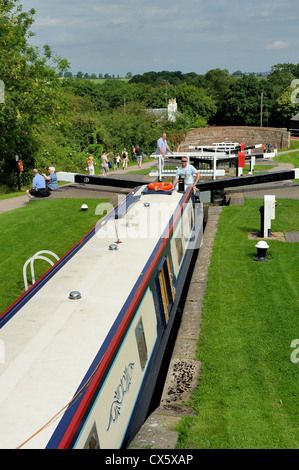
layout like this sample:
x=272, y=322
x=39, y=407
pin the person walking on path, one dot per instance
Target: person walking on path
x=133, y=153
x=138, y=152
x=104, y=163
x=162, y=148
x=125, y=159
x=116, y=161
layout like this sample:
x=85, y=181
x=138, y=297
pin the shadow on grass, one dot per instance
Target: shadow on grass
x=248, y=230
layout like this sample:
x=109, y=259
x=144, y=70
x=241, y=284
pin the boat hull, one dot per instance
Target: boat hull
x=120, y=385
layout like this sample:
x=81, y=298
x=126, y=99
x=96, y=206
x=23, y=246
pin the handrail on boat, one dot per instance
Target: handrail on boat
x=38, y=255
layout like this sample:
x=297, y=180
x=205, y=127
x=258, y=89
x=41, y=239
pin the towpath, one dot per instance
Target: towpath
x=76, y=191
x=281, y=189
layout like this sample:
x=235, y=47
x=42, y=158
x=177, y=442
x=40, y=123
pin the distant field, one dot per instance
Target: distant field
x=103, y=80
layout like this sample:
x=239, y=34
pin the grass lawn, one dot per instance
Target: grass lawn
x=292, y=158
x=288, y=158
x=247, y=396
x=257, y=169
x=294, y=144
x=143, y=171
x=55, y=225
x=12, y=194
x=7, y=192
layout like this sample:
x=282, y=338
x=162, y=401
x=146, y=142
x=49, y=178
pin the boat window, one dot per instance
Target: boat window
x=179, y=249
x=141, y=344
x=166, y=288
x=93, y=440
x=191, y=219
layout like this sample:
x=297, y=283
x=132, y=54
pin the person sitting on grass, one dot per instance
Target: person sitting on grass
x=51, y=179
x=38, y=186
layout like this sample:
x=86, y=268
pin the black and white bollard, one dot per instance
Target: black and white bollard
x=262, y=248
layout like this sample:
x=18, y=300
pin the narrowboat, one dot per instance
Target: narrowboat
x=85, y=344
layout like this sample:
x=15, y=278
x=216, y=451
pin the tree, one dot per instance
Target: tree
x=218, y=83
x=242, y=103
x=285, y=108
x=126, y=127
x=286, y=68
x=195, y=101
x=280, y=78
x=85, y=88
x=237, y=74
x=32, y=88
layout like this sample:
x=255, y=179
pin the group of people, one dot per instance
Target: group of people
x=269, y=148
x=106, y=164
x=188, y=172
x=43, y=184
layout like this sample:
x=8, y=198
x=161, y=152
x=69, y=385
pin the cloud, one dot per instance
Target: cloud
x=117, y=36
x=277, y=45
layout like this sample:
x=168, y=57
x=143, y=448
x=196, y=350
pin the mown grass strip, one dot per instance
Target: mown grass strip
x=247, y=392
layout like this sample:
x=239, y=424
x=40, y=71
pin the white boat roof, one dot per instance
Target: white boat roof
x=52, y=340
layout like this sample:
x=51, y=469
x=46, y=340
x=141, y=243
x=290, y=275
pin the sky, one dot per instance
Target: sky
x=138, y=36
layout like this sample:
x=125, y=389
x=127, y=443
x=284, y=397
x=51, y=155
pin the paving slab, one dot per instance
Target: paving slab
x=292, y=236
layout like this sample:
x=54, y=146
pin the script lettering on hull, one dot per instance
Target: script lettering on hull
x=119, y=394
